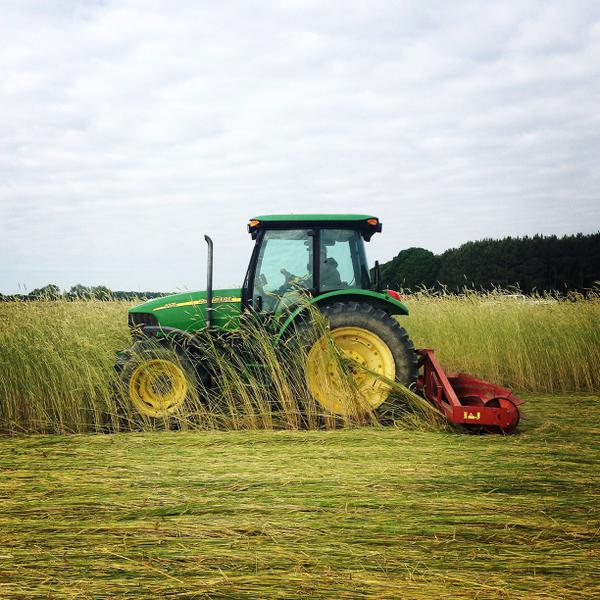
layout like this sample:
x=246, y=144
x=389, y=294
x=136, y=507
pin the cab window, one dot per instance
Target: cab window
x=283, y=268
x=343, y=263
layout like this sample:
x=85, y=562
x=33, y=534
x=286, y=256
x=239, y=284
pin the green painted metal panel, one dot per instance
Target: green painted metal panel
x=187, y=311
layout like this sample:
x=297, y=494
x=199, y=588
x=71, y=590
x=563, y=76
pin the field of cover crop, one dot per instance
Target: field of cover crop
x=56, y=360
x=247, y=503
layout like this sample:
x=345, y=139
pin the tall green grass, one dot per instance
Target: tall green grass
x=256, y=385
x=57, y=376
x=541, y=344
x=56, y=364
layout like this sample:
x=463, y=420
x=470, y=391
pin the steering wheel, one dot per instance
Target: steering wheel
x=288, y=284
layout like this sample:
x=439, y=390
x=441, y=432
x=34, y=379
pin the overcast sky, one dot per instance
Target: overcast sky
x=130, y=128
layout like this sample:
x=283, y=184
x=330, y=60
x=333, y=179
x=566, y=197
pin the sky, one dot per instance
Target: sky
x=130, y=128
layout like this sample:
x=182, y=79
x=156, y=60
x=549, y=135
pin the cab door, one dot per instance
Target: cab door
x=283, y=271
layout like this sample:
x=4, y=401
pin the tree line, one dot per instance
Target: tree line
x=531, y=264
x=81, y=292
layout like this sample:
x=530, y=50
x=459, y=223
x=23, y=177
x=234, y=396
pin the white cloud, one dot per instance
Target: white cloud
x=128, y=129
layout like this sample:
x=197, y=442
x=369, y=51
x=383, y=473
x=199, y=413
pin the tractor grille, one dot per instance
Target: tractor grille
x=141, y=319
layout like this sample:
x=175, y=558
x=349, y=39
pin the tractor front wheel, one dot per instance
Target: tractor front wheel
x=157, y=380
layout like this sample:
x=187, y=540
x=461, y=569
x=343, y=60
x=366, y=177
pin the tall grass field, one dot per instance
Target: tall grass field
x=57, y=376
x=259, y=495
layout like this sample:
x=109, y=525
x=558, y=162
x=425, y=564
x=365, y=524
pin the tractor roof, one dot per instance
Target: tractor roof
x=367, y=224
x=311, y=218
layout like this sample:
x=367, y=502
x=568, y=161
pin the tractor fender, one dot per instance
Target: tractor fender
x=380, y=300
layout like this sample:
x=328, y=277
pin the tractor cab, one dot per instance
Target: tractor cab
x=295, y=255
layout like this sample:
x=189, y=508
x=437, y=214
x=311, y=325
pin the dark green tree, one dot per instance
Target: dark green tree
x=82, y=292
x=101, y=292
x=531, y=264
x=412, y=268
x=48, y=292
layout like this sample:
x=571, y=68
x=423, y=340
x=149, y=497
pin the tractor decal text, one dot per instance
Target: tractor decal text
x=217, y=300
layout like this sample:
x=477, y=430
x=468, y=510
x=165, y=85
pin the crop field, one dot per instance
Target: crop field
x=364, y=512
x=56, y=360
x=255, y=502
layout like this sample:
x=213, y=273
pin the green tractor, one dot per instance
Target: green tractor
x=298, y=261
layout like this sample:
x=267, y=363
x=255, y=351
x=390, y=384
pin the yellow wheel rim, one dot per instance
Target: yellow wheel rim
x=370, y=360
x=158, y=387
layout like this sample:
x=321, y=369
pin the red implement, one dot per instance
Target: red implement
x=466, y=400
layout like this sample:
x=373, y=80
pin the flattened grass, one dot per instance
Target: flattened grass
x=289, y=514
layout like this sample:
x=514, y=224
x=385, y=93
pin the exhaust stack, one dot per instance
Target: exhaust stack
x=209, y=282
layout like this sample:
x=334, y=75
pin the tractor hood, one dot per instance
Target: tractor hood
x=187, y=311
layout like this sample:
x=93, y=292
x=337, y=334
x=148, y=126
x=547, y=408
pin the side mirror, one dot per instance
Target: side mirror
x=378, y=284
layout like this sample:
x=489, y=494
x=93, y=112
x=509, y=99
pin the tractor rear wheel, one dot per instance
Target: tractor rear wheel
x=376, y=350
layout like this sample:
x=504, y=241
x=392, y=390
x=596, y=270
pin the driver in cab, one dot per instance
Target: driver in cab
x=329, y=275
